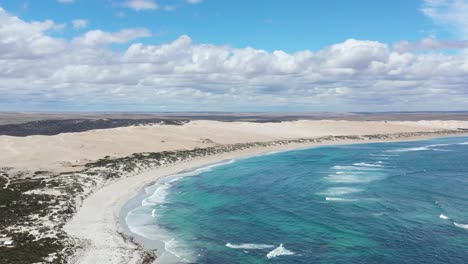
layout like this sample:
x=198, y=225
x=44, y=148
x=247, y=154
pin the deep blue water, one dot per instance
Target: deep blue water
x=361, y=203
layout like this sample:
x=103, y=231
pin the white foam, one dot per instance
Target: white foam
x=464, y=226
x=279, y=251
x=249, y=246
x=358, y=168
x=179, y=250
x=442, y=216
x=338, y=199
x=463, y=143
x=438, y=145
x=158, y=196
x=153, y=213
x=383, y=155
x=340, y=191
x=362, y=164
x=210, y=167
x=409, y=149
x=352, y=178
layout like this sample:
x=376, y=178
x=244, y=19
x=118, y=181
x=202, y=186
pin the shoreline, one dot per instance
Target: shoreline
x=97, y=224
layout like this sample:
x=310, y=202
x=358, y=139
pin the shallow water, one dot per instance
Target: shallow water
x=364, y=203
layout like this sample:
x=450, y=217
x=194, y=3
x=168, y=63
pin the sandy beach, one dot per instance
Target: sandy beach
x=96, y=226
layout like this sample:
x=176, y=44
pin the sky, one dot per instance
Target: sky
x=233, y=55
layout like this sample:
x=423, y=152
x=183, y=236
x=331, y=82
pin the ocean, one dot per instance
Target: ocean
x=403, y=202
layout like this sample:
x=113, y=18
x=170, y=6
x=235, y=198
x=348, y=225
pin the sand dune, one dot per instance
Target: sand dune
x=60, y=152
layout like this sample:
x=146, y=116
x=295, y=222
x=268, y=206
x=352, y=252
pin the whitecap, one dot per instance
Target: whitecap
x=438, y=145
x=352, y=178
x=340, y=191
x=442, y=216
x=383, y=155
x=338, y=199
x=464, y=226
x=363, y=164
x=153, y=213
x=463, y=143
x=363, y=168
x=409, y=149
x=249, y=246
x=279, y=251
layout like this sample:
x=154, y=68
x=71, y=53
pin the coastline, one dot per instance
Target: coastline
x=97, y=224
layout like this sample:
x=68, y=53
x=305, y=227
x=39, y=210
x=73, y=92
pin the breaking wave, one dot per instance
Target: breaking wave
x=340, y=191
x=409, y=149
x=442, y=216
x=355, y=167
x=279, y=251
x=249, y=246
x=362, y=164
x=339, y=199
x=464, y=226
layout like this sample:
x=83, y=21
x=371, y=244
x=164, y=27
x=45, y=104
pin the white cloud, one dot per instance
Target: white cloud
x=66, y=1
x=453, y=13
x=40, y=72
x=19, y=39
x=194, y=1
x=141, y=4
x=80, y=23
x=430, y=44
x=99, y=37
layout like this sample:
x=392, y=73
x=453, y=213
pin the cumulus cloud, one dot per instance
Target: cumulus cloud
x=99, y=37
x=40, y=72
x=80, y=23
x=141, y=4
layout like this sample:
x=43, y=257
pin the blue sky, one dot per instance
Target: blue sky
x=271, y=25
x=233, y=55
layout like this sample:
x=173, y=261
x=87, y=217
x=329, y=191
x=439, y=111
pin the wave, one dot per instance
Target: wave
x=383, y=155
x=340, y=191
x=423, y=148
x=158, y=196
x=348, y=167
x=339, y=199
x=464, y=226
x=438, y=145
x=249, y=246
x=463, y=143
x=160, y=193
x=352, y=178
x=205, y=168
x=279, y=251
x=442, y=216
x=179, y=250
x=409, y=149
x=362, y=164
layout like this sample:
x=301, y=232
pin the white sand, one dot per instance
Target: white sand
x=58, y=153
x=96, y=223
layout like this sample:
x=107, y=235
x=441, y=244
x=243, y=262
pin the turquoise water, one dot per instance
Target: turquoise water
x=364, y=203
